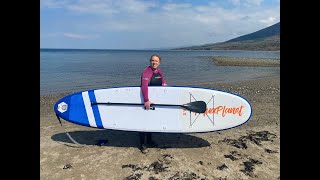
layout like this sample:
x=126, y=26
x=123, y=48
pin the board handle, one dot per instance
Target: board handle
x=151, y=108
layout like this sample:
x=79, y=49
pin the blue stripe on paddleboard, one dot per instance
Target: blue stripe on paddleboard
x=95, y=109
x=77, y=115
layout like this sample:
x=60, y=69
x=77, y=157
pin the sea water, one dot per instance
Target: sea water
x=74, y=70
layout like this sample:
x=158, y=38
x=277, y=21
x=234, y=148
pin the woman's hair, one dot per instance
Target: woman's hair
x=157, y=55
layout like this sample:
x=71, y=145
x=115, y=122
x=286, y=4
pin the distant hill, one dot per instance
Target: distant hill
x=267, y=39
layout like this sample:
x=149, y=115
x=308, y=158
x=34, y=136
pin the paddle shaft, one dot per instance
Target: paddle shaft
x=197, y=106
x=134, y=104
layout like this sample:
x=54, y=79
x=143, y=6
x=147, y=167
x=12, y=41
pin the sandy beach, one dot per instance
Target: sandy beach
x=251, y=151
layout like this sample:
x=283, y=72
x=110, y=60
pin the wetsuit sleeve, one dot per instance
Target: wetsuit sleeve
x=162, y=78
x=145, y=78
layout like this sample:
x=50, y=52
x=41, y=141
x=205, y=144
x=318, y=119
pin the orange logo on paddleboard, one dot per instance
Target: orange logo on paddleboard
x=223, y=110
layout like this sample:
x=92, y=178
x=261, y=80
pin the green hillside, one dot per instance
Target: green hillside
x=267, y=39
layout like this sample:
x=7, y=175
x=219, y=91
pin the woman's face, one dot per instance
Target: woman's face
x=154, y=62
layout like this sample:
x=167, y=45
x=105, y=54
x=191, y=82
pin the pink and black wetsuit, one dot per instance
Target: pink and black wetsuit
x=151, y=77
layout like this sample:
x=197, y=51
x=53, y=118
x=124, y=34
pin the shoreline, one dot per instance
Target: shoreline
x=250, y=151
x=232, y=61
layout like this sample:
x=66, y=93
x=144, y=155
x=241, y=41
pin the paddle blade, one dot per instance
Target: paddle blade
x=196, y=106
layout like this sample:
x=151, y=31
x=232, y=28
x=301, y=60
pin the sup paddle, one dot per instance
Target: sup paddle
x=196, y=106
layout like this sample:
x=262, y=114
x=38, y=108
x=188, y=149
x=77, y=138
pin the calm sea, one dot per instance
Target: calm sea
x=66, y=70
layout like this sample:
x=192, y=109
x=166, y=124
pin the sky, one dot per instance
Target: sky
x=150, y=24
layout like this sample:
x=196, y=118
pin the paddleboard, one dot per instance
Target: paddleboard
x=223, y=110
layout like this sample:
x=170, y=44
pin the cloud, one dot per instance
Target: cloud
x=52, y=4
x=133, y=6
x=79, y=36
x=268, y=20
x=49, y=35
x=247, y=3
x=170, y=23
x=103, y=7
x=254, y=2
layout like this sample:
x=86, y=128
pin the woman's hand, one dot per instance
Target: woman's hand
x=147, y=105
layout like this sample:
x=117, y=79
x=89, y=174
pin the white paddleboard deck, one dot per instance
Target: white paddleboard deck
x=224, y=110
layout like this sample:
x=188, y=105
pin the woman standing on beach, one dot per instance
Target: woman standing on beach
x=151, y=76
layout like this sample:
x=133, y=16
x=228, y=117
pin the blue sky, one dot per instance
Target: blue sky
x=145, y=24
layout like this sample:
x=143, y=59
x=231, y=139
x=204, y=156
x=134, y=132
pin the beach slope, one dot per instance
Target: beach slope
x=251, y=151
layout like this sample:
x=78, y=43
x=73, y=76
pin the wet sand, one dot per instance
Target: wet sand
x=251, y=151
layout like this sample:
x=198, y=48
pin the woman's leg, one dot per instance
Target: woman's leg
x=149, y=137
x=142, y=137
